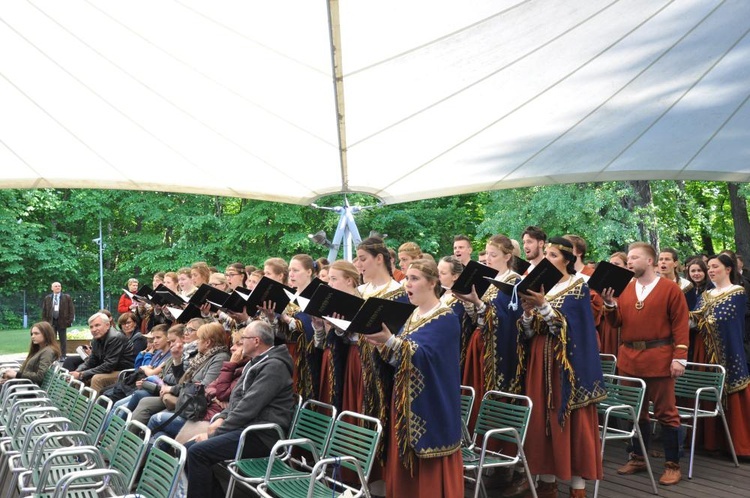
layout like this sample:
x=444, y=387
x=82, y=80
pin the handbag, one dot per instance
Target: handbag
x=151, y=387
x=191, y=404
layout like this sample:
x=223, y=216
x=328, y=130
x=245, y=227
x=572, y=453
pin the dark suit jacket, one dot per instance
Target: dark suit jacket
x=112, y=353
x=67, y=310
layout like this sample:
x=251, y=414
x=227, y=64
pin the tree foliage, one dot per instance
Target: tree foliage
x=49, y=234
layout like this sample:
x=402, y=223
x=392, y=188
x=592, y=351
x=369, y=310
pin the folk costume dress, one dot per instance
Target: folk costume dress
x=693, y=296
x=561, y=371
x=491, y=356
x=299, y=337
x=364, y=391
x=720, y=317
x=367, y=379
x=424, y=437
x=335, y=345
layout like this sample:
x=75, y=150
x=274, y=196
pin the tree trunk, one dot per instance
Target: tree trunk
x=683, y=237
x=741, y=222
x=643, y=199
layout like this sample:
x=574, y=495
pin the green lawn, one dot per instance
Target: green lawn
x=18, y=340
x=14, y=341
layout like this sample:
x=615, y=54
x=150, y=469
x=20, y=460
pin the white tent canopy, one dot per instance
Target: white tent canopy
x=290, y=100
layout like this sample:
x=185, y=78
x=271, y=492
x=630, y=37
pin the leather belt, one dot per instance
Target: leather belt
x=641, y=345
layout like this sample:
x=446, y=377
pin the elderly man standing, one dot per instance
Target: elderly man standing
x=59, y=311
x=263, y=394
x=111, y=352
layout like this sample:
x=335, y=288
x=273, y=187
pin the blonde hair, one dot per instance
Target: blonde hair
x=348, y=269
x=202, y=269
x=279, y=267
x=429, y=269
x=411, y=249
x=501, y=242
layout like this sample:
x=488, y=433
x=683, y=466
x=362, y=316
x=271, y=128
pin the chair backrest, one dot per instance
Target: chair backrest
x=295, y=409
x=162, y=469
x=117, y=422
x=68, y=487
x=84, y=402
x=57, y=388
x=467, y=403
x=48, y=376
x=314, y=422
x=130, y=450
x=609, y=363
x=97, y=416
x=359, y=440
x=628, y=391
x=708, y=377
x=500, y=410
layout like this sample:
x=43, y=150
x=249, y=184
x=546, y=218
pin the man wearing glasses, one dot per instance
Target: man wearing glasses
x=262, y=395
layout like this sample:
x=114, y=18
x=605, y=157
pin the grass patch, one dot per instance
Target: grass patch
x=14, y=341
x=18, y=340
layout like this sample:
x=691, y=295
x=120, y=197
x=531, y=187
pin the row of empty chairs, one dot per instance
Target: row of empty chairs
x=56, y=442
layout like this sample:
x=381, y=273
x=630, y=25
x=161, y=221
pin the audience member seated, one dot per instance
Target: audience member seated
x=111, y=352
x=263, y=394
x=43, y=352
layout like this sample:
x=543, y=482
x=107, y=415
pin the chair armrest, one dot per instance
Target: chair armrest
x=92, y=451
x=302, y=442
x=254, y=428
x=492, y=432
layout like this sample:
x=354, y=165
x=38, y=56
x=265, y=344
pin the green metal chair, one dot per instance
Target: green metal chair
x=161, y=473
x=702, y=382
x=313, y=421
x=107, y=482
x=624, y=400
x=503, y=417
x=108, y=442
x=609, y=363
x=352, y=446
x=468, y=395
x=97, y=418
x=128, y=457
x=41, y=438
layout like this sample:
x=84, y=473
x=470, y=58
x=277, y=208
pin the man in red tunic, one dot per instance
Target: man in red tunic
x=653, y=314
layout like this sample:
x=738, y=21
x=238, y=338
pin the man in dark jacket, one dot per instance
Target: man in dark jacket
x=58, y=310
x=111, y=352
x=263, y=394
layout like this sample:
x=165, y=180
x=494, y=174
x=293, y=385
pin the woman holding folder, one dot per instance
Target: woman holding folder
x=297, y=329
x=720, y=320
x=561, y=373
x=491, y=359
x=449, y=269
x=424, y=437
x=340, y=365
x=609, y=336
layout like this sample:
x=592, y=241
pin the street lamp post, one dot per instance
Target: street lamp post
x=100, y=242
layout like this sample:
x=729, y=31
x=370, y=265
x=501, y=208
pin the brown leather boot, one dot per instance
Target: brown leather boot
x=577, y=493
x=636, y=464
x=672, y=474
x=544, y=490
x=518, y=486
